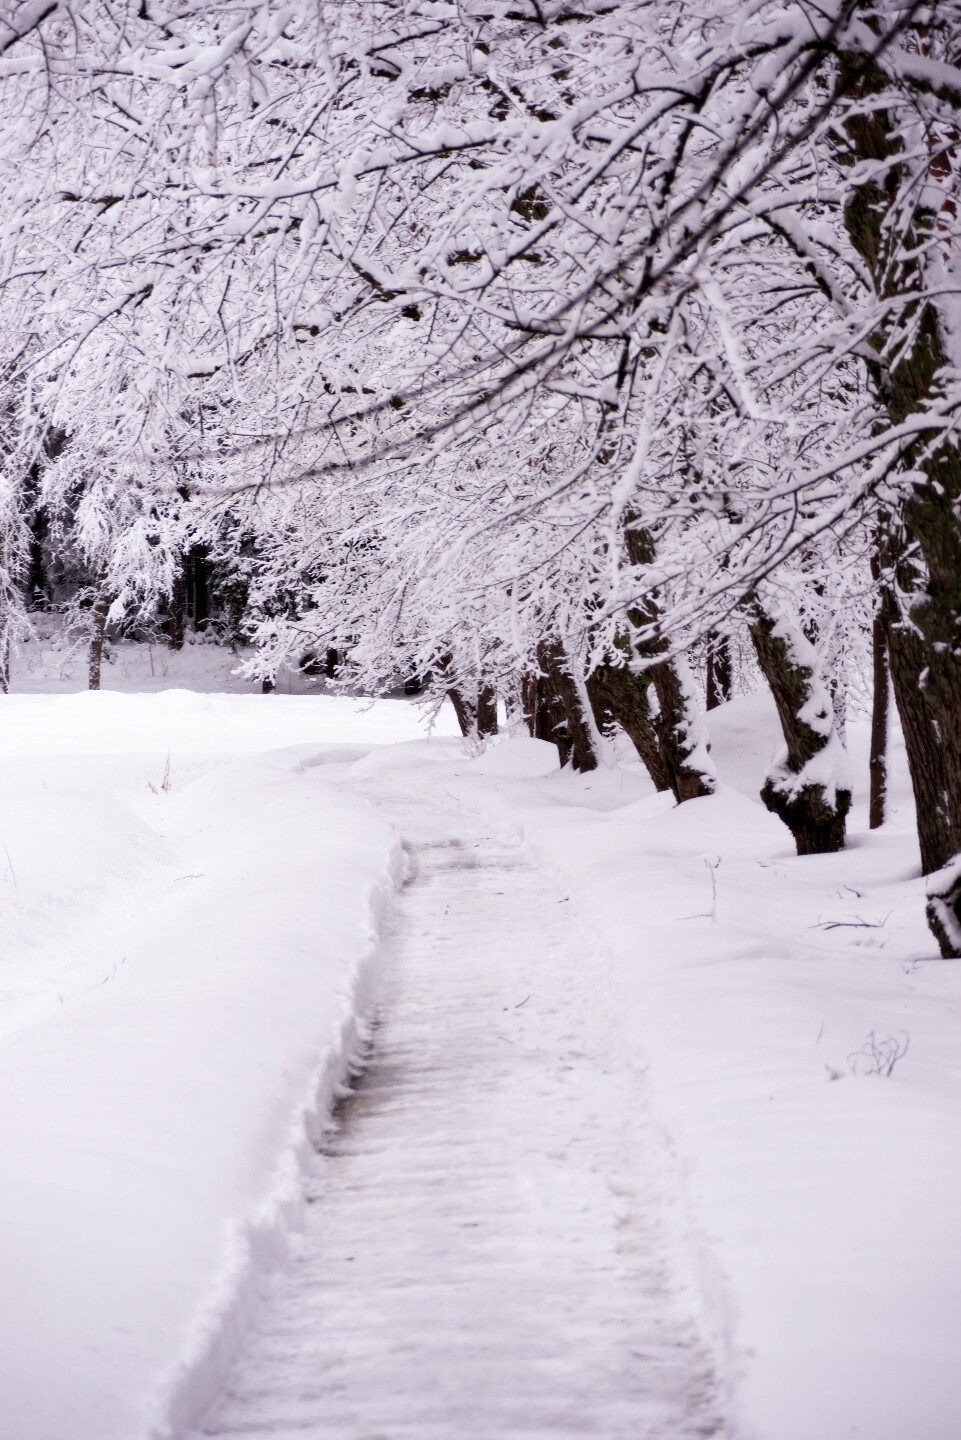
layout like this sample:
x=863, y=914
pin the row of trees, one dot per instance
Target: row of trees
x=528, y=344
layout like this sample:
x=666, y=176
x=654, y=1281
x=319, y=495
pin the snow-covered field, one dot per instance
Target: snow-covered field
x=190, y=916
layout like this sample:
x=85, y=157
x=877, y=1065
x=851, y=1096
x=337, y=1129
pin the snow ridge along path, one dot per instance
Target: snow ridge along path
x=489, y=1253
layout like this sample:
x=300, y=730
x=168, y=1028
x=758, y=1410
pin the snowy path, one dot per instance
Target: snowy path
x=488, y=1254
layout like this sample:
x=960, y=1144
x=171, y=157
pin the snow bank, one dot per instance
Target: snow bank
x=186, y=722
x=157, y=1089
x=762, y=992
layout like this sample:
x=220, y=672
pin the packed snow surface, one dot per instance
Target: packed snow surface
x=194, y=896
x=490, y=1251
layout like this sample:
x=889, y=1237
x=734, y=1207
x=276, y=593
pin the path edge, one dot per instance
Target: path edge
x=260, y=1242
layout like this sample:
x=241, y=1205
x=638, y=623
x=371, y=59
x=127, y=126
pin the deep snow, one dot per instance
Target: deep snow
x=178, y=976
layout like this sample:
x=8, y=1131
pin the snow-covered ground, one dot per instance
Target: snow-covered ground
x=180, y=973
x=763, y=992
x=186, y=945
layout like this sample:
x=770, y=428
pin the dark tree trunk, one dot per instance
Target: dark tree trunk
x=476, y=713
x=930, y=782
x=197, y=584
x=878, y=762
x=462, y=710
x=616, y=692
x=571, y=732
x=814, y=813
x=676, y=724
x=267, y=685
x=598, y=693
x=98, y=630
x=486, y=711
x=177, y=612
x=924, y=650
x=37, y=573
x=476, y=718
x=720, y=670
x=543, y=721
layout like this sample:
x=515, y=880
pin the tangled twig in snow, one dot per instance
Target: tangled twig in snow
x=879, y=1057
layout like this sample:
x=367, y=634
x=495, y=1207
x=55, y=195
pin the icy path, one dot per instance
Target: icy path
x=486, y=1258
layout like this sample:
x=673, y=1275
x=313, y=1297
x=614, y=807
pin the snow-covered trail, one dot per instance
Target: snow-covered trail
x=489, y=1253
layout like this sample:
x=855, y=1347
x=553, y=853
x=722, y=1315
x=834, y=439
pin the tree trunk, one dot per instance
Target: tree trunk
x=812, y=802
x=476, y=712
x=98, y=630
x=197, y=571
x=570, y=731
x=545, y=719
x=720, y=670
x=533, y=703
x=618, y=692
x=486, y=711
x=878, y=763
x=177, y=612
x=908, y=659
x=36, y=574
x=477, y=718
x=462, y=710
x=924, y=652
x=681, y=745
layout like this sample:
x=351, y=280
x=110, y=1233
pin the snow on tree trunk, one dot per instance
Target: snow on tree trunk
x=907, y=663
x=720, y=670
x=571, y=731
x=944, y=907
x=618, y=692
x=924, y=647
x=544, y=719
x=14, y=542
x=681, y=733
x=808, y=786
x=679, y=724
x=477, y=715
